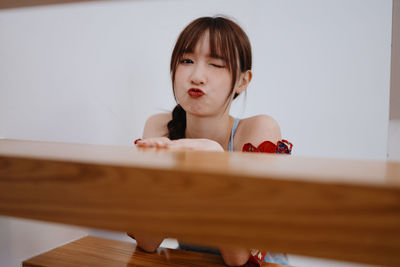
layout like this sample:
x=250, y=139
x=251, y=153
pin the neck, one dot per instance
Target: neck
x=216, y=128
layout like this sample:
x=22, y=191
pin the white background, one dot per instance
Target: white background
x=93, y=73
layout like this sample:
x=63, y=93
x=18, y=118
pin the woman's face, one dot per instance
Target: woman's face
x=202, y=83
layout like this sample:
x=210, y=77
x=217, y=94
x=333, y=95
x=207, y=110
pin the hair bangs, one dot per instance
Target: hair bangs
x=222, y=38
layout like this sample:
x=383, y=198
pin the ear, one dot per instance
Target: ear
x=244, y=81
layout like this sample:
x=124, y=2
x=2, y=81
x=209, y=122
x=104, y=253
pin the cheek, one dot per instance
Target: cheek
x=178, y=77
x=224, y=82
x=181, y=73
x=179, y=83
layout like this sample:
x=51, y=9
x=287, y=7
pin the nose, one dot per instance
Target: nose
x=198, y=75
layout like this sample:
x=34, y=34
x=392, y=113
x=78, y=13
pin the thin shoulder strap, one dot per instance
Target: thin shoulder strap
x=235, y=124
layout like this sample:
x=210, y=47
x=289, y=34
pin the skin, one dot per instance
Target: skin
x=208, y=124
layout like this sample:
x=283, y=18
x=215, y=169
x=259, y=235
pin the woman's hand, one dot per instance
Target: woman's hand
x=181, y=144
x=158, y=142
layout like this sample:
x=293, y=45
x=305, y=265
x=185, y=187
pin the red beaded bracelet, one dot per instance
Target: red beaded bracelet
x=282, y=147
x=257, y=256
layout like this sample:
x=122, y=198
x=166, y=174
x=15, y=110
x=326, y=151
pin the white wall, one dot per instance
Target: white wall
x=93, y=72
x=23, y=239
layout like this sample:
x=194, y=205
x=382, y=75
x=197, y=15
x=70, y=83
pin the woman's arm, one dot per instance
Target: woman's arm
x=188, y=144
x=256, y=130
x=155, y=132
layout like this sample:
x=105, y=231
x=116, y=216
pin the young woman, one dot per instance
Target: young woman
x=211, y=66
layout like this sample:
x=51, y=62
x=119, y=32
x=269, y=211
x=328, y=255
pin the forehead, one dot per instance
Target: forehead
x=203, y=44
x=205, y=47
x=202, y=47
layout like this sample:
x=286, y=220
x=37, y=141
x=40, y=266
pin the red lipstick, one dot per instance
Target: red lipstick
x=195, y=92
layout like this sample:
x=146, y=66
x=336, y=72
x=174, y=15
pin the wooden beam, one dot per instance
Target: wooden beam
x=6, y=4
x=330, y=208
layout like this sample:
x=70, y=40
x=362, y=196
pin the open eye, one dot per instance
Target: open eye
x=186, y=61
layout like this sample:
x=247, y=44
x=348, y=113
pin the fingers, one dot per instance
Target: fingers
x=159, y=142
x=181, y=144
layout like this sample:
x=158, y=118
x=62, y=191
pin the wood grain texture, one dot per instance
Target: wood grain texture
x=97, y=252
x=338, y=209
x=6, y=4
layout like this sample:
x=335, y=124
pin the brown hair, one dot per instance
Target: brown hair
x=227, y=40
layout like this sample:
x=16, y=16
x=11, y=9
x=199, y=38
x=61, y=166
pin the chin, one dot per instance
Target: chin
x=199, y=108
x=201, y=113
x=195, y=111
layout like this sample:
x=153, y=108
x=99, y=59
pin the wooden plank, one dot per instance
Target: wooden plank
x=97, y=252
x=6, y=4
x=338, y=209
x=395, y=64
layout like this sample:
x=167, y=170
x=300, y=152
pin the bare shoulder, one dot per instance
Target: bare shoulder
x=256, y=130
x=156, y=125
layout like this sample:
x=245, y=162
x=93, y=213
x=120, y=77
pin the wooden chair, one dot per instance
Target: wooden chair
x=330, y=208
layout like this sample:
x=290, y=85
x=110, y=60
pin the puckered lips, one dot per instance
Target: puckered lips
x=195, y=92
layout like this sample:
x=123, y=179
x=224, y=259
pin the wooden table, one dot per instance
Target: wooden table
x=93, y=251
x=331, y=208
